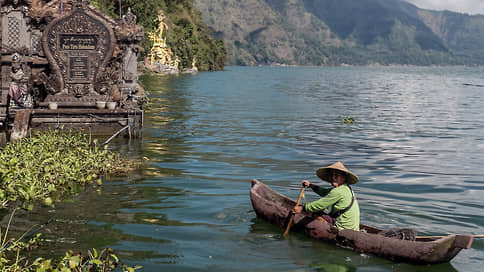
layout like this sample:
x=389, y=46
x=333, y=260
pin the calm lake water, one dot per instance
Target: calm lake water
x=417, y=145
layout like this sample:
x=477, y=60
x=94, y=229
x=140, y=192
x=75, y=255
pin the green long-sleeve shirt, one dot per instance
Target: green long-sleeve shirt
x=338, y=198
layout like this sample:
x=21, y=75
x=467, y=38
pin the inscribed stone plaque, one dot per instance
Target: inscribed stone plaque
x=78, y=42
x=78, y=69
x=78, y=47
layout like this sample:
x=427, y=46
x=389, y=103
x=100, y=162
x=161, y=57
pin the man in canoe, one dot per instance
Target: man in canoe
x=345, y=212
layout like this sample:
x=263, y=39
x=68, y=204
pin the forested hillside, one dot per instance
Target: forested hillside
x=187, y=34
x=463, y=34
x=334, y=32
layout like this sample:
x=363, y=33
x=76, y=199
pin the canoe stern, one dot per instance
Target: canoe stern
x=463, y=241
x=416, y=252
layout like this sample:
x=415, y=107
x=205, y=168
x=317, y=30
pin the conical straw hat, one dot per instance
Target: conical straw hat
x=324, y=173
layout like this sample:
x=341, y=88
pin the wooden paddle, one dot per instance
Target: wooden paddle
x=292, y=213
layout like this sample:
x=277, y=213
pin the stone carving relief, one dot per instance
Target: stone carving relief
x=69, y=53
x=13, y=26
x=36, y=43
x=16, y=33
x=9, y=5
x=130, y=34
x=42, y=12
x=128, y=30
x=19, y=76
x=78, y=47
x=50, y=83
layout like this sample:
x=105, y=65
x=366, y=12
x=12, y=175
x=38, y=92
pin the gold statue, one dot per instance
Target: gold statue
x=160, y=52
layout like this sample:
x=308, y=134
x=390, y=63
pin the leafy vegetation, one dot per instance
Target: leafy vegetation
x=187, y=35
x=45, y=165
x=11, y=260
x=104, y=260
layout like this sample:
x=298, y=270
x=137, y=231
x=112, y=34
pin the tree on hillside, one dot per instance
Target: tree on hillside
x=187, y=35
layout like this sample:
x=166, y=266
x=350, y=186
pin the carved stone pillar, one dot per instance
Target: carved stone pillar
x=16, y=34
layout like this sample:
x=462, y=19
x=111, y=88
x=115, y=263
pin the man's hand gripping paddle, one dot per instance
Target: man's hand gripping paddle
x=301, y=193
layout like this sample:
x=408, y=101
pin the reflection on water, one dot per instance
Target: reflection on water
x=417, y=146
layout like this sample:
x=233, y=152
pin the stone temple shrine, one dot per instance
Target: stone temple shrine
x=66, y=64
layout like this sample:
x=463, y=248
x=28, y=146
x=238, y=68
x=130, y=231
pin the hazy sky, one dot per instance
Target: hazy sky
x=464, y=6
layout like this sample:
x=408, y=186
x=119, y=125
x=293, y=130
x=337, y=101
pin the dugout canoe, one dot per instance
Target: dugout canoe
x=276, y=208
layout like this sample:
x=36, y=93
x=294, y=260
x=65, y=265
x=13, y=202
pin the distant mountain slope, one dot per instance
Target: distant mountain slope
x=333, y=32
x=463, y=34
x=256, y=33
x=367, y=20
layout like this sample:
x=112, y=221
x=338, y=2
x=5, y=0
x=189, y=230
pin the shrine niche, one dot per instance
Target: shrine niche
x=64, y=59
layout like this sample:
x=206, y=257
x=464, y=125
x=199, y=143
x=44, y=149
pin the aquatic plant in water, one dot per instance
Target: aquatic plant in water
x=105, y=260
x=42, y=167
x=13, y=259
x=47, y=164
x=348, y=120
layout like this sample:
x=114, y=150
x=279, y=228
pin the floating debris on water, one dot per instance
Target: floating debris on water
x=348, y=120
